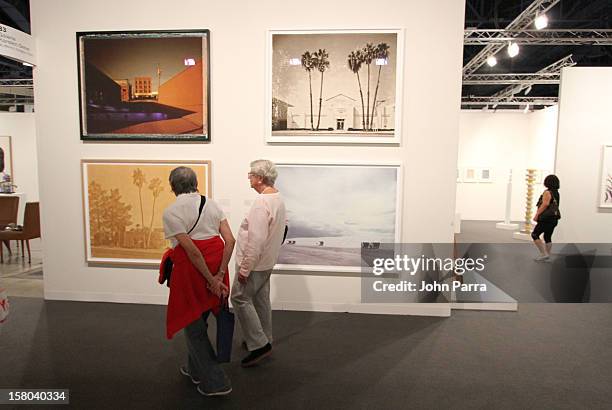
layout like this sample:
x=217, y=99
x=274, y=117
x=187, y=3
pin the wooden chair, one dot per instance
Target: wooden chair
x=31, y=229
x=9, y=207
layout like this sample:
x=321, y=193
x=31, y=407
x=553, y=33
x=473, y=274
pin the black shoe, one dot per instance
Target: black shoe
x=257, y=355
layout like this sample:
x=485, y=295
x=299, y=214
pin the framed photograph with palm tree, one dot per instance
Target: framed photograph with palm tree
x=123, y=203
x=334, y=86
x=605, y=195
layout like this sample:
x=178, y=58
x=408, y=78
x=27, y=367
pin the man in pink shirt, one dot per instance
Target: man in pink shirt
x=258, y=244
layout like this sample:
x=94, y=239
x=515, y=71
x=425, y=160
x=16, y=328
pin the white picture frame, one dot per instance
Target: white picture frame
x=288, y=121
x=345, y=196
x=138, y=191
x=470, y=175
x=605, y=192
x=485, y=175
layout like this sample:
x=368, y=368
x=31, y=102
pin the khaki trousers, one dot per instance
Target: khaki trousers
x=251, y=304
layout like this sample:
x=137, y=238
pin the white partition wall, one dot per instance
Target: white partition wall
x=502, y=141
x=427, y=152
x=584, y=128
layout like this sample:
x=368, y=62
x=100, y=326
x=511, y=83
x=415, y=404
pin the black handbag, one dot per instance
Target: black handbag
x=551, y=212
x=225, y=333
x=168, y=264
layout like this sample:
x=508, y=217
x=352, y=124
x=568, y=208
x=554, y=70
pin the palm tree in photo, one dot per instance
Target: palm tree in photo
x=139, y=179
x=308, y=63
x=381, y=53
x=355, y=60
x=368, y=54
x=156, y=189
x=321, y=59
x=608, y=188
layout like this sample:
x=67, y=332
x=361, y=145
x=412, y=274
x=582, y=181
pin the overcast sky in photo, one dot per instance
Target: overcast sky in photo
x=353, y=202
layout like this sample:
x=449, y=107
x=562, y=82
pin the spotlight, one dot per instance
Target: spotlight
x=541, y=21
x=527, y=90
x=526, y=110
x=513, y=49
x=491, y=61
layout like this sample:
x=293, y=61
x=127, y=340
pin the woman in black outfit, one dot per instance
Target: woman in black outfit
x=546, y=217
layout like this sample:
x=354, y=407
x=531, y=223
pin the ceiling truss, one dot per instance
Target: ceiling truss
x=522, y=22
x=538, y=37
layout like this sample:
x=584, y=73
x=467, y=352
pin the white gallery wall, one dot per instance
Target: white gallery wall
x=584, y=114
x=502, y=141
x=21, y=128
x=428, y=151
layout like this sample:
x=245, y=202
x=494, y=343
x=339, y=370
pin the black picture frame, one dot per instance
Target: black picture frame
x=117, y=101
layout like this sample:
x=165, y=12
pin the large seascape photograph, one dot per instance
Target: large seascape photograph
x=123, y=205
x=334, y=212
x=335, y=86
x=144, y=86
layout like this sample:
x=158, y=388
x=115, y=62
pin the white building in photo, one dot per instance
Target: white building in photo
x=340, y=113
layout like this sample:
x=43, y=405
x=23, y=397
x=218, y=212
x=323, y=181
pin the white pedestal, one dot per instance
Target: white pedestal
x=522, y=236
x=507, y=226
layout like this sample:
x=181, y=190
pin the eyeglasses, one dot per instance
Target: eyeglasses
x=251, y=174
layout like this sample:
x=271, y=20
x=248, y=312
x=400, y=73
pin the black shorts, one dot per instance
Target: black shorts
x=546, y=228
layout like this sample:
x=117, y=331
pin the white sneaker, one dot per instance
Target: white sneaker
x=542, y=258
x=185, y=372
x=220, y=392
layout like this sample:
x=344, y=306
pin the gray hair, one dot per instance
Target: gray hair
x=183, y=180
x=265, y=169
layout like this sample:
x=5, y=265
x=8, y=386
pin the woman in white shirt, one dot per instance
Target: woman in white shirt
x=259, y=241
x=199, y=280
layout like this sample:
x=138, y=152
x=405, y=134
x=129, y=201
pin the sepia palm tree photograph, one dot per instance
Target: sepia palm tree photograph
x=123, y=206
x=336, y=86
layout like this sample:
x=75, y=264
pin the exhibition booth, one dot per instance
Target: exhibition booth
x=421, y=162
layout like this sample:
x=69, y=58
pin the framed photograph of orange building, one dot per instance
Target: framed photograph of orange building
x=144, y=86
x=123, y=204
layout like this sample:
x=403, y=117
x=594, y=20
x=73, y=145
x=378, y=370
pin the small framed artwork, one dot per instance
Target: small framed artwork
x=144, y=86
x=484, y=175
x=470, y=175
x=123, y=204
x=605, y=196
x=330, y=224
x=6, y=156
x=334, y=86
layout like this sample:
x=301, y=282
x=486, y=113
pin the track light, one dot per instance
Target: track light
x=513, y=49
x=527, y=90
x=491, y=61
x=541, y=21
x=526, y=110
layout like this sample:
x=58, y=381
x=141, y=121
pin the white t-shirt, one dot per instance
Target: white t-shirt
x=183, y=213
x=261, y=234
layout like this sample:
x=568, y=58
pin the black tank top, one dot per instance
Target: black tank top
x=555, y=195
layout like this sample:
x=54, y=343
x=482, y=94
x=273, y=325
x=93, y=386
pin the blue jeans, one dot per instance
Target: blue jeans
x=202, y=360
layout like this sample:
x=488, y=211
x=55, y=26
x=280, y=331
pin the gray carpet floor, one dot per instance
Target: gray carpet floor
x=544, y=356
